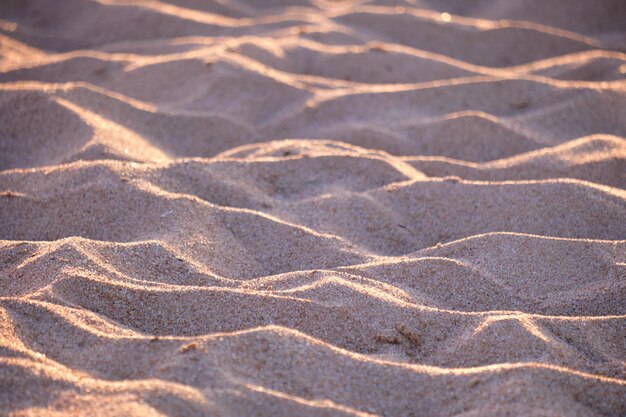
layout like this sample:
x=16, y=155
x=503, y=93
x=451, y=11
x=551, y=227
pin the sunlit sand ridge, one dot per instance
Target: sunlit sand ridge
x=311, y=207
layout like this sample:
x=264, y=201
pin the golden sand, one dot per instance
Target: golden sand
x=312, y=208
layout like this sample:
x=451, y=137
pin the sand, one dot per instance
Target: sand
x=312, y=208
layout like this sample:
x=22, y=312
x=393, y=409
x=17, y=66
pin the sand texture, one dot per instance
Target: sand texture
x=312, y=208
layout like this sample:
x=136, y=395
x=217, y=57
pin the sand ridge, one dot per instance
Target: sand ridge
x=312, y=208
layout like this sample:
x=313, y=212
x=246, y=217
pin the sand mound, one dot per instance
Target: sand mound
x=307, y=208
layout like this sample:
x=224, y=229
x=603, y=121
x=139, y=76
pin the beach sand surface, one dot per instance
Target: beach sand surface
x=312, y=208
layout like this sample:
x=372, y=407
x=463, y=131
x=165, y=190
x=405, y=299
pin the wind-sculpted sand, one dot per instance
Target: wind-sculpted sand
x=311, y=207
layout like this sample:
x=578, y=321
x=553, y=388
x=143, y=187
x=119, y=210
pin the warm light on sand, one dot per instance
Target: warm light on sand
x=312, y=208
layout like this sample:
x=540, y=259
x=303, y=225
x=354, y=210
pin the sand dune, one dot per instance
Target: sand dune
x=312, y=207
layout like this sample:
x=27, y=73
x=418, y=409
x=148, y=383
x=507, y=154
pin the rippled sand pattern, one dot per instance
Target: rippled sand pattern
x=312, y=208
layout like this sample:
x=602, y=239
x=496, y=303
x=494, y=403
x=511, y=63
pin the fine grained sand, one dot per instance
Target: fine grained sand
x=312, y=207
